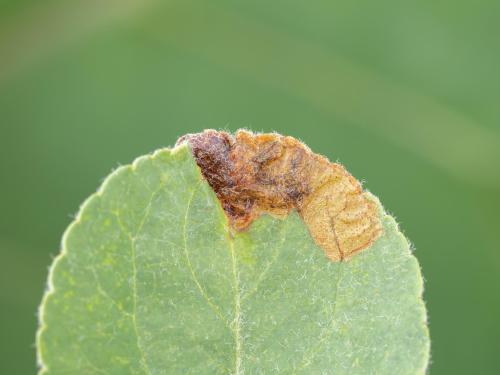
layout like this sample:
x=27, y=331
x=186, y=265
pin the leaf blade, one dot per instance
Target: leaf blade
x=151, y=270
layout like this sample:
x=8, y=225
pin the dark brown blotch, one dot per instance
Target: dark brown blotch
x=252, y=174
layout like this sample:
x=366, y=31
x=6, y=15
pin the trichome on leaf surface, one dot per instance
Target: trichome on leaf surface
x=233, y=254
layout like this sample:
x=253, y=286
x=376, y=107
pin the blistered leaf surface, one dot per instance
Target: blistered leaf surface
x=153, y=280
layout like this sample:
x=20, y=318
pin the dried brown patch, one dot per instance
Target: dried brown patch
x=254, y=174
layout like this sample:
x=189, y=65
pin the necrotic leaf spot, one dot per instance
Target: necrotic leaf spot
x=253, y=174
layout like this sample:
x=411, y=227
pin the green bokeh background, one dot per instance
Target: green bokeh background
x=405, y=95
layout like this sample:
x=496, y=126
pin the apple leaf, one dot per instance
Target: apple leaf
x=151, y=279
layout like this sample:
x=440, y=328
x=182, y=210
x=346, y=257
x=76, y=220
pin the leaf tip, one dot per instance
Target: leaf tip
x=253, y=174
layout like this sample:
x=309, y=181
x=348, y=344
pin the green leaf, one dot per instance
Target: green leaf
x=151, y=280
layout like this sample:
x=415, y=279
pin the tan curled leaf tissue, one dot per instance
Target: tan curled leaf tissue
x=242, y=254
x=254, y=174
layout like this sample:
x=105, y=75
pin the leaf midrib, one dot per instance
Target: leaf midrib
x=237, y=309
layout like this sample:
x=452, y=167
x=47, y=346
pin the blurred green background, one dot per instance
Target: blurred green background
x=405, y=95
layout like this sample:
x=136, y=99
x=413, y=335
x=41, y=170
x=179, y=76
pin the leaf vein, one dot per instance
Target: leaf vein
x=237, y=311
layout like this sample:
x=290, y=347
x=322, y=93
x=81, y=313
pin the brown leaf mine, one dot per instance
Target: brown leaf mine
x=253, y=174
